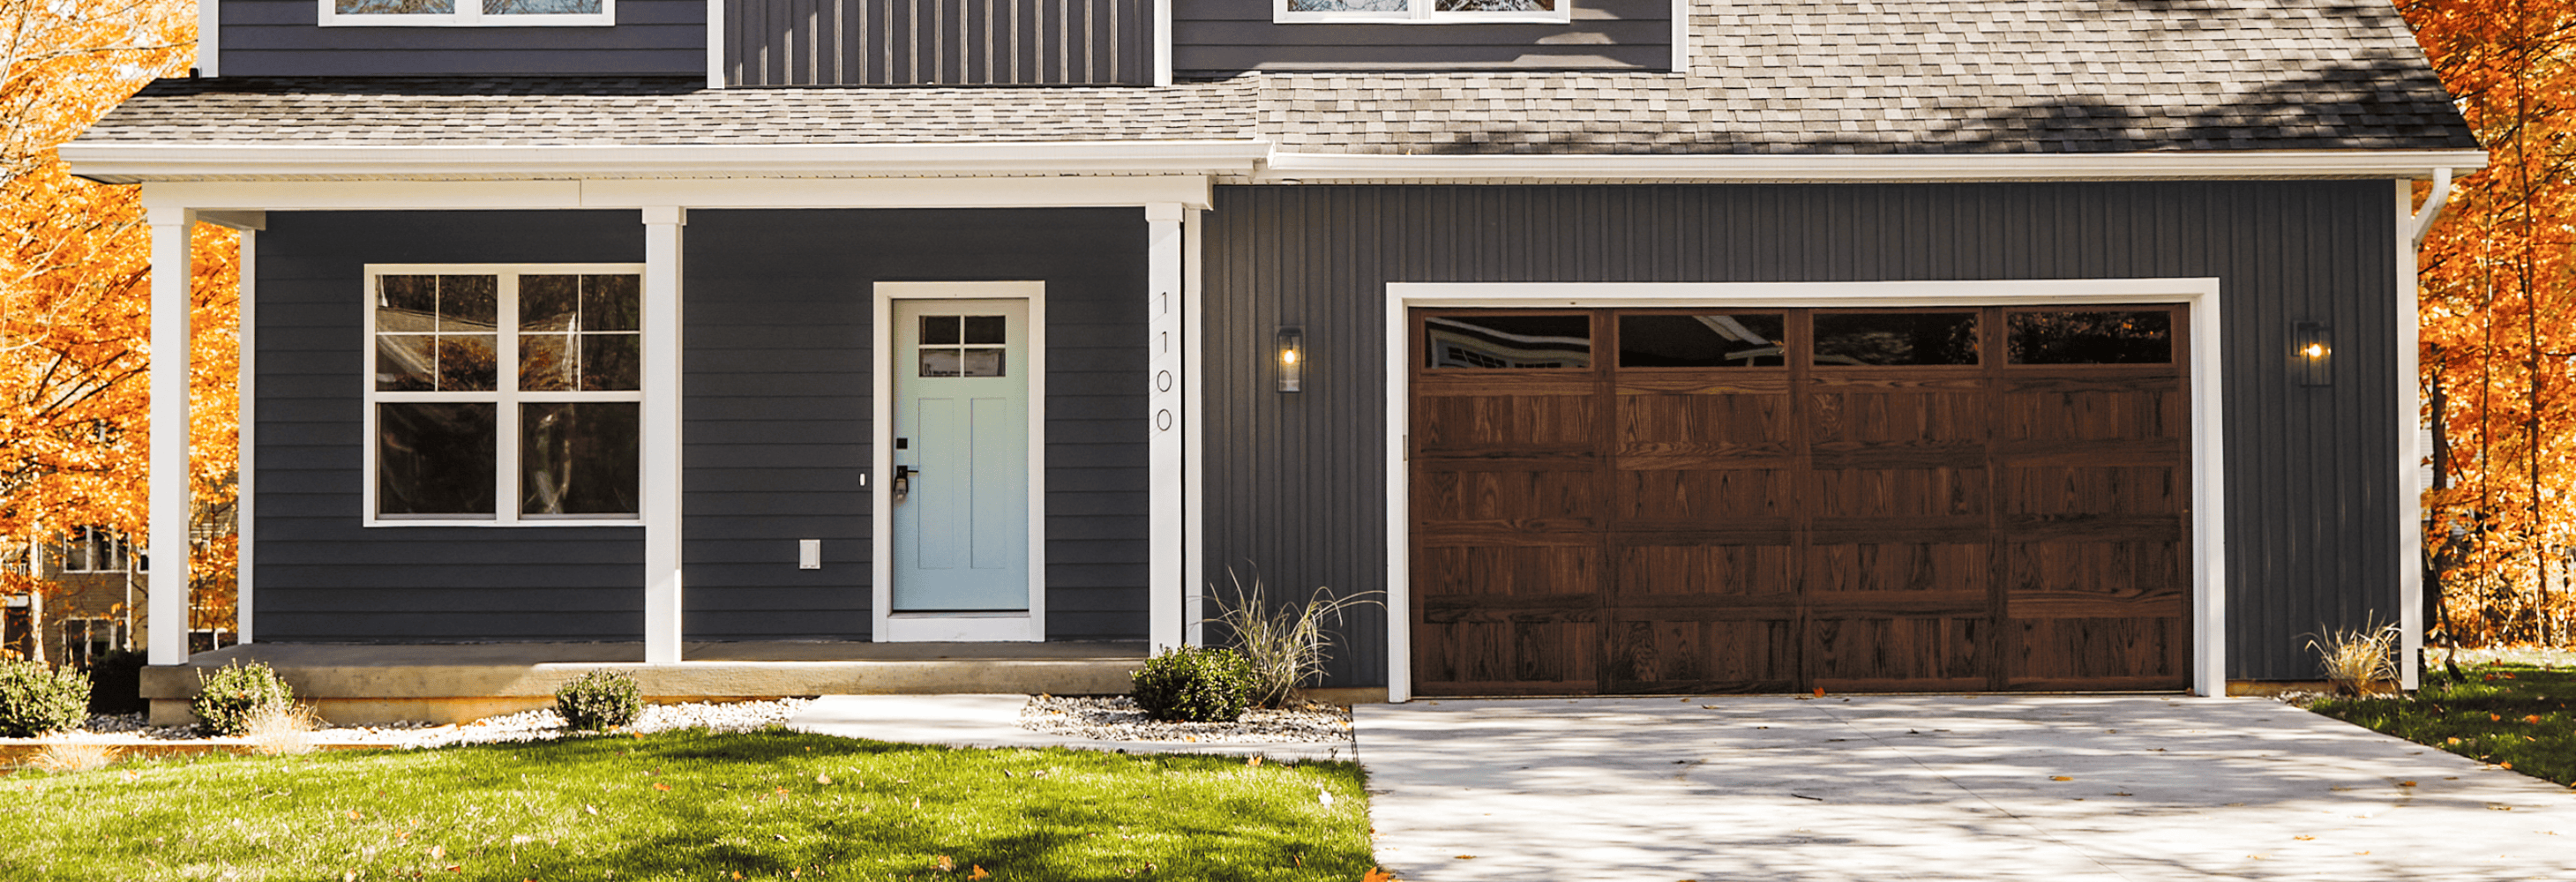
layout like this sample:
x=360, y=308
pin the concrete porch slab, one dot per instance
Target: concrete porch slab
x=993, y=721
x=454, y=683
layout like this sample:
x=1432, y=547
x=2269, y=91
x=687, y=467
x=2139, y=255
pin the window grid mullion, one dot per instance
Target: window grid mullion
x=505, y=449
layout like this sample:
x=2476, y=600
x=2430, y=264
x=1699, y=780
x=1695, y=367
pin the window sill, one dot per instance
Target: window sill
x=334, y=20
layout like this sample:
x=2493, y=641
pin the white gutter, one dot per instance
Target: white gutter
x=2433, y=205
x=2382, y=164
x=128, y=163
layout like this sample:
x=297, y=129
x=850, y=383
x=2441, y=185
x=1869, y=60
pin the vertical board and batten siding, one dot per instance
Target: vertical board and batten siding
x=1297, y=482
x=1225, y=37
x=779, y=415
x=938, y=42
x=324, y=578
x=284, y=38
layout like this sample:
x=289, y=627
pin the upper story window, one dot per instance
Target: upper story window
x=1427, y=11
x=95, y=550
x=468, y=13
x=504, y=394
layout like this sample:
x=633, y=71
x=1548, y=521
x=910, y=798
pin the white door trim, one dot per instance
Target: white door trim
x=887, y=627
x=2208, y=463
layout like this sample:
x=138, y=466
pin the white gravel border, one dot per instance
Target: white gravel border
x=535, y=725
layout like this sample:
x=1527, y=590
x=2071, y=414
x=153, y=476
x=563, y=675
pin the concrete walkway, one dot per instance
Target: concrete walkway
x=1938, y=787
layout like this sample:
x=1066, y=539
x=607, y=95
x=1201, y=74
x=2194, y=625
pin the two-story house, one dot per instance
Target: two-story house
x=1625, y=345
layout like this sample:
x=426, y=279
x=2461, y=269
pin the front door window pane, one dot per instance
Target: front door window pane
x=1895, y=338
x=1508, y=341
x=1716, y=340
x=434, y=459
x=578, y=458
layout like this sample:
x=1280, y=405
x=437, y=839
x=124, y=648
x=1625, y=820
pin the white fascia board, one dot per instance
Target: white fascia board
x=1321, y=167
x=126, y=163
x=1047, y=192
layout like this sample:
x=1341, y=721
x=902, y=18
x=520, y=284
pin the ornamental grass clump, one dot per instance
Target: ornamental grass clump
x=600, y=700
x=236, y=696
x=1192, y=684
x=1287, y=646
x=2355, y=659
x=36, y=698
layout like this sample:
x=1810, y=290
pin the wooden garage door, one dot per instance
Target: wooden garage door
x=1698, y=500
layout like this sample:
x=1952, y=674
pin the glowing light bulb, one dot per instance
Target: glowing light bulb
x=2314, y=350
x=1287, y=356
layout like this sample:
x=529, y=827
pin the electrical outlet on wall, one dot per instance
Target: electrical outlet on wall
x=809, y=554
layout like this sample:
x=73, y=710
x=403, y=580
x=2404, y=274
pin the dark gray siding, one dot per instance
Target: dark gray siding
x=938, y=42
x=1297, y=482
x=283, y=38
x=1221, y=37
x=322, y=577
x=779, y=415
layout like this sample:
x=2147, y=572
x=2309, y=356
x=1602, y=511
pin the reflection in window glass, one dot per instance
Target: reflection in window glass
x=540, y=7
x=2144, y=337
x=1732, y=340
x=579, y=332
x=434, y=459
x=1495, y=5
x=578, y=458
x=1896, y=338
x=1508, y=341
x=394, y=7
x=1348, y=5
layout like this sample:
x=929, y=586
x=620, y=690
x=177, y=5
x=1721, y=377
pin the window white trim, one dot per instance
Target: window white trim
x=468, y=14
x=2208, y=454
x=505, y=396
x=1419, y=12
x=887, y=626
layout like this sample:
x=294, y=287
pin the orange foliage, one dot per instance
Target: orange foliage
x=75, y=294
x=2499, y=325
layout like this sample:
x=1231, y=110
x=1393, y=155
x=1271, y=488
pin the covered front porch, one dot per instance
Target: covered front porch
x=360, y=684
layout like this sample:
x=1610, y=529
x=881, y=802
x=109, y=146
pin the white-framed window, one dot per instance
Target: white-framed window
x=468, y=13
x=95, y=550
x=1422, y=11
x=503, y=394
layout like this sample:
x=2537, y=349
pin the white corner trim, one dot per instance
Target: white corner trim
x=716, y=44
x=1320, y=167
x=1163, y=43
x=2208, y=465
x=1681, y=36
x=2411, y=227
x=885, y=625
x=246, y=447
x=1194, y=424
x=210, y=55
x=658, y=449
x=127, y=163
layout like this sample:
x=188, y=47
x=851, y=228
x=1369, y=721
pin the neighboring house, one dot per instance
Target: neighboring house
x=87, y=604
x=1638, y=346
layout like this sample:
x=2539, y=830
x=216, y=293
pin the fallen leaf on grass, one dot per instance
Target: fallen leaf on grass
x=979, y=873
x=2534, y=718
x=1254, y=762
x=2504, y=765
x=657, y=785
x=2495, y=718
x=822, y=778
x=1376, y=874
x=946, y=865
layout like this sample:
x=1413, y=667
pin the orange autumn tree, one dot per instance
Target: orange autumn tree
x=75, y=299
x=2499, y=327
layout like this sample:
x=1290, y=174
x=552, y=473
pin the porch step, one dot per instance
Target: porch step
x=360, y=684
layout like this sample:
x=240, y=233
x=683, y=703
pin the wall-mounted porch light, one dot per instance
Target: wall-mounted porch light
x=2315, y=354
x=1291, y=353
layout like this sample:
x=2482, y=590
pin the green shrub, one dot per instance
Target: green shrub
x=1194, y=684
x=36, y=699
x=229, y=699
x=600, y=699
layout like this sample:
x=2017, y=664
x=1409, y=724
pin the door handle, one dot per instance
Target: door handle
x=903, y=481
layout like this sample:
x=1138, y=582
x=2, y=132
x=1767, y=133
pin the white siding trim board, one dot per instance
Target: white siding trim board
x=2200, y=295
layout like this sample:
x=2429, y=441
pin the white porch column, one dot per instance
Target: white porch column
x=659, y=465
x=166, y=536
x=1167, y=418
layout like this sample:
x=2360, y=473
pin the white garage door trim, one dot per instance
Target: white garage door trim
x=2208, y=522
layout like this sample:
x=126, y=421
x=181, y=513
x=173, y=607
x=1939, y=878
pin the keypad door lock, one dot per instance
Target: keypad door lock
x=903, y=482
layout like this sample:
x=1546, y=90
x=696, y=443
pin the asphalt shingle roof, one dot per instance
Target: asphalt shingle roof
x=1830, y=76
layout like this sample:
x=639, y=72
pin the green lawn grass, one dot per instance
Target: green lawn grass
x=689, y=805
x=2514, y=715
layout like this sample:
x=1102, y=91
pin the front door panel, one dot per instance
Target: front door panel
x=961, y=408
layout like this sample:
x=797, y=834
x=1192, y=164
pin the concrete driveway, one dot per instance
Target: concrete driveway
x=1938, y=787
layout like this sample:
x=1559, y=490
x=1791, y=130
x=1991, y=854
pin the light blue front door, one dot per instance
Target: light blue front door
x=961, y=429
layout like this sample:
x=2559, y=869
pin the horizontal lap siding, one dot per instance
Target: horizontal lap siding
x=779, y=416
x=1221, y=37
x=283, y=38
x=1297, y=485
x=323, y=577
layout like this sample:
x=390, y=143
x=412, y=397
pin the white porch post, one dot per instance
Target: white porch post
x=166, y=535
x=659, y=466
x=1167, y=416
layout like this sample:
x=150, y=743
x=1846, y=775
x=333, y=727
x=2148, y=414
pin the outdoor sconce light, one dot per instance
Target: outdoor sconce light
x=2315, y=355
x=1292, y=358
